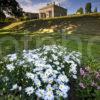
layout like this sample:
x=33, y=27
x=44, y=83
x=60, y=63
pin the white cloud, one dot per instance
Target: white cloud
x=25, y=2
x=65, y=3
x=28, y=5
x=59, y=1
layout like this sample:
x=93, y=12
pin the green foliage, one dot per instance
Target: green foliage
x=11, y=7
x=88, y=83
x=88, y=8
x=2, y=15
x=80, y=10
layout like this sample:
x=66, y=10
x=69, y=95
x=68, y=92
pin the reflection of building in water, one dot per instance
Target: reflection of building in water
x=52, y=10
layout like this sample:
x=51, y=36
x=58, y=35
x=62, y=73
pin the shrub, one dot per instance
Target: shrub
x=88, y=83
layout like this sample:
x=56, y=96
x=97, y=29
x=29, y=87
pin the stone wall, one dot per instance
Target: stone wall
x=59, y=11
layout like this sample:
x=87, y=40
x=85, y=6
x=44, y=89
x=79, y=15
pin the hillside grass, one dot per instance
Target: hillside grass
x=11, y=26
x=36, y=24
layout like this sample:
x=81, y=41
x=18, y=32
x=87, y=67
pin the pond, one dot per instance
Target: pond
x=14, y=43
x=88, y=45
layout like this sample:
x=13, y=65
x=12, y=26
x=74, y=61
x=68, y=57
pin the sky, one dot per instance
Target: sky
x=71, y=5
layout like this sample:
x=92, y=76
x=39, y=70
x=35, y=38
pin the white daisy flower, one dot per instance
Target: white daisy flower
x=14, y=87
x=10, y=67
x=29, y=90
x=49, y=95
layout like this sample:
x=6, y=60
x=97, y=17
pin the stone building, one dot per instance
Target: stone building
x=30, y=16
x=52, y=10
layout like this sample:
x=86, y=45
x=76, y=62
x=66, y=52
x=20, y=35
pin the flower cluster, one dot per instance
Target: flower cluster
x=89, y=78
x=44, y=72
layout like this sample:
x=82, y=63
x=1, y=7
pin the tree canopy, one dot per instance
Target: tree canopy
x=80, y=10
x=88, y=8
x=10, y=7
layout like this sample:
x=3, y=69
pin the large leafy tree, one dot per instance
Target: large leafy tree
x=80, y=10
x=2, y=15
x=88, y=8
x=10, y=7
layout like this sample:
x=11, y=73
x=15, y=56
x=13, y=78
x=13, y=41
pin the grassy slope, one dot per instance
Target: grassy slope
x=11, y=26
x=84, y=24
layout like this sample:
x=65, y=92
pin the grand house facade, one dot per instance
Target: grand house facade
x=52, y=10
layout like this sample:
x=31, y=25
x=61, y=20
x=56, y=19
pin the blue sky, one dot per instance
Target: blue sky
x=71, y=5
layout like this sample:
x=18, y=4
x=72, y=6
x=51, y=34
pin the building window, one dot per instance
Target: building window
x=43, y=15
x=50, y=13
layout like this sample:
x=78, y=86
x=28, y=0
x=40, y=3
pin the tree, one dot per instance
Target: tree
x=88, y=8
x=11, y=7
x=95, y=10
x=2, y=16
x=80, y=10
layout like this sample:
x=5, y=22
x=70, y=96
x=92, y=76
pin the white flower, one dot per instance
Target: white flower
x=10, y=67
x=65, y=95
x=55, y=72
x=49, y=88
x=74, y=76
x=40, y=93
x=44, y=78
x=54, y=57
x=50, y=80
x=48, y=66
x=64, y=88
x=62, y=66
x=62, y=78
x=66, y=58
x=30, y=75
x=14, y=87
x=12, y=57
x=59, y=93
x=29, y=90
x=49, y=95
x=48, y=72
x=37, y=82
x=60, y=53
x=58, y=68
x=21, y=62
x=56, y=63
x=20, y=88
x=73, y=69
x=45, y=52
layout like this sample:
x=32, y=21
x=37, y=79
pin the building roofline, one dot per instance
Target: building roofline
x=47, y=6
x=31, y=13
x=51, y=5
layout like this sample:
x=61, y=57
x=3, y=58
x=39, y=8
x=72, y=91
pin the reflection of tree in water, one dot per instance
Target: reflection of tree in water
x=8, y=45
